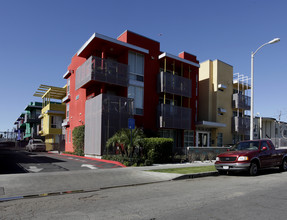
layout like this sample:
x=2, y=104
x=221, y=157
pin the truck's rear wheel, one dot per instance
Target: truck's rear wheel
x=283, y=166
x=253, y=170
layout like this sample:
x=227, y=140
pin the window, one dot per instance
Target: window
x=67, y=135
x=70, y=136
x=136, y=65
x=68, y=110
x=219, y=139
x=56, y=122
x=68, y=86
x=137, y=93
x=196, y=84
x=166, y=133
x=188, y=138
x=264, y=144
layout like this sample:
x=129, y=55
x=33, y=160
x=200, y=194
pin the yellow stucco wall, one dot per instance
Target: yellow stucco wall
x=211, y=74
x=47, y=131
x=224, y=73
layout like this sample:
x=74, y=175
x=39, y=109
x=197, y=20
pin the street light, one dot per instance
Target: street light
x=275, y=40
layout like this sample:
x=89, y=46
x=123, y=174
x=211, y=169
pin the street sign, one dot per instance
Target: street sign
x=131, y=123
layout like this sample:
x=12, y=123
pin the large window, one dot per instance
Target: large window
x=68, y=86
x=56, y=122
x=219, y=139
x=68, y=111
x=188, y=138
x=136, y=83
x=136, y=65
x=136, y=93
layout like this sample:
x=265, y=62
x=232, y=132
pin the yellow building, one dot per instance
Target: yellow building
x=215, y=104
x=222, y=105
x=52, y=114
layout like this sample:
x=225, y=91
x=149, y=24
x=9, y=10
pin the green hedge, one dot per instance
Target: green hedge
x=152, y=150
x=158, y=150
x=79, y=140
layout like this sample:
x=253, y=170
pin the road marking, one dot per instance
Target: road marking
x=34, y=169
x=92, y=167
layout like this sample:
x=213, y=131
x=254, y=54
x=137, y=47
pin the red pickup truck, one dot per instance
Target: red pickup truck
x=251, y=156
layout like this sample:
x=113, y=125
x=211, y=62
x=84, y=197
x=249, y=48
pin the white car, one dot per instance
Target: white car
x=36, y=145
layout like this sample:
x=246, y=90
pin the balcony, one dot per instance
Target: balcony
x=241, y=125
x=175, y=117
x=174, y=84
x=66, y=123
x=101, y=70
x=31, y=118
x=241, y=101
x=66, y=98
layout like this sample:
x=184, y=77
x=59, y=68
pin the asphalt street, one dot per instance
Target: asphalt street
x=221, y=197
x=37, y=162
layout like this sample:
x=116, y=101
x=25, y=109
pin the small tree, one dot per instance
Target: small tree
x=79, y=140
x=123, y=139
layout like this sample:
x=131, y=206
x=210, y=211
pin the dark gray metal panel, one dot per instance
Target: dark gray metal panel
x=176, y=117
x=105, y=115
x=102, y=70
x=241, y=125
x=241, y=101
x=174, y=84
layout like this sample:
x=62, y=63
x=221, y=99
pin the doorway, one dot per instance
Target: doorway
x=202, y=139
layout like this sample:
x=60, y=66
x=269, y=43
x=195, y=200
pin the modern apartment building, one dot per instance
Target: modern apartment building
x=222, y=106
x=110, y=80
x=31, y=120
x=52, y=114
x=20, y=127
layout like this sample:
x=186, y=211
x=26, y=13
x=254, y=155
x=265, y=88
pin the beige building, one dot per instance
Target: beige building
x=220, y=105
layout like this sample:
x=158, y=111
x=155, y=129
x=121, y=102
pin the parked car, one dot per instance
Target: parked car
x=251, y=156
x=36, y=145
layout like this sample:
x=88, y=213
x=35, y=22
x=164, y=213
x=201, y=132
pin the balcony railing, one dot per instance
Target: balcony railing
x=175, y=117
x=241, y=125
x=241, y=101
x=174, y=84
x=101, y=70
x=66, y=123
x=32, y=118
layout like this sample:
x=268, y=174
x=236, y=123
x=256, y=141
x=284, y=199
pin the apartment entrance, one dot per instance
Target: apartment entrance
x=202, y=139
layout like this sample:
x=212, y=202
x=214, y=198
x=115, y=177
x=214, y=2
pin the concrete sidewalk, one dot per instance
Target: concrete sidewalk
x=17, y=186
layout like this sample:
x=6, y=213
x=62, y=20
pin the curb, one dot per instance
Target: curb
x=91, y=158
x=197, y=175
x=183, y=177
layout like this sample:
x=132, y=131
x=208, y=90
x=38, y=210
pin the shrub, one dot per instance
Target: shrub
x=158, y=150
x=210, y=156
x=192, y=157
x=79, y=140
x=202, y=157
x=123, y=138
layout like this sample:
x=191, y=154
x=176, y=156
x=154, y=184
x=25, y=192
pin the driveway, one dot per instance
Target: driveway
x=25, y=162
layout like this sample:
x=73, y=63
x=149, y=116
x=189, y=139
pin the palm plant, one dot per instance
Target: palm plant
x=127, y=140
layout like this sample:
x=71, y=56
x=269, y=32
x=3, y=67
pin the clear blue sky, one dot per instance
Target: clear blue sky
x=38, y=39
